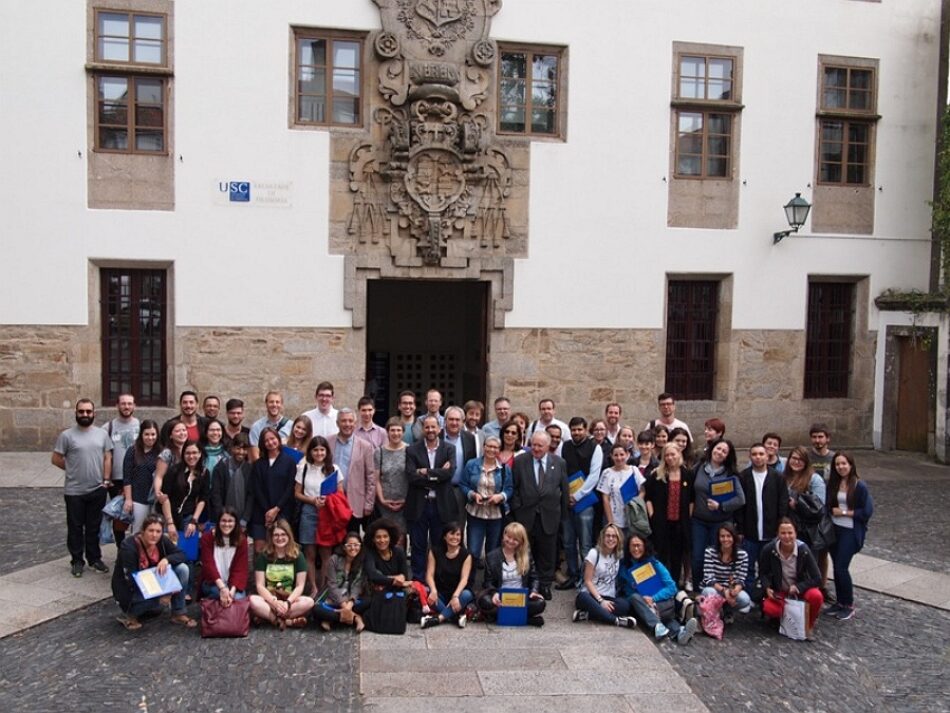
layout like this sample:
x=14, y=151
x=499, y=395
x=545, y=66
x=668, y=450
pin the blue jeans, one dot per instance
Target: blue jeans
x=426, y=528
x=703, y=536
x=842, y=551
x=140, y=606
x=483, y=533
x=586, y=602
x=465, y=598
x=578, y=534
x=211, y=591
x=647, y=614
x=743, y=600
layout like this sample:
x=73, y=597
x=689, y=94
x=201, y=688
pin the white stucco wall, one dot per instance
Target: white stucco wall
x=605, y=185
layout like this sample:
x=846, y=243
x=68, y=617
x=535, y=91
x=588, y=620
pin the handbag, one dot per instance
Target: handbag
x=815, y=521
x=822, y=533
x=794, y=622
x=710, y=608
x=809, y=508
x=387, y=613
x=218, y=621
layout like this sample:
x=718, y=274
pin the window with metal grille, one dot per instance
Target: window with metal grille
x=134, y=309
x=692, y=310
x=828, y=341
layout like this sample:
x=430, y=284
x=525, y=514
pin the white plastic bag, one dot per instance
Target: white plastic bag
x=794, y=619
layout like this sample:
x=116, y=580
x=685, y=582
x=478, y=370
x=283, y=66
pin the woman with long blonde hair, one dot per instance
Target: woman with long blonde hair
x=511, y=567
x=668, y=494
x=597, y=596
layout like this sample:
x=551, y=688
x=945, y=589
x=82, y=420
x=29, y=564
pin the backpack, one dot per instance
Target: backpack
x=637, y=520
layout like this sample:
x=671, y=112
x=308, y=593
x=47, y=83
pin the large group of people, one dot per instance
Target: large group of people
x=311, y=518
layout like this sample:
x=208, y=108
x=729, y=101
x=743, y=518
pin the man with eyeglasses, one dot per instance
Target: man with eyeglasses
x=667, y=407
x=85, y=453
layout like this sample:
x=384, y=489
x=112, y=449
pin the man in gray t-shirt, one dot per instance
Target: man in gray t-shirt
x=85, y=453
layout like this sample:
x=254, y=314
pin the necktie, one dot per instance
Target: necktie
x=539, y=476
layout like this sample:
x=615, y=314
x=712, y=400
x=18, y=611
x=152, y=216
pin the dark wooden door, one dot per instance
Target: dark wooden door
x=913, y=395
x=426, y=334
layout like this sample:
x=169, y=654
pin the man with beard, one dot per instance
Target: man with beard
x=123, y=430
x=85, y=453
x=188, y=407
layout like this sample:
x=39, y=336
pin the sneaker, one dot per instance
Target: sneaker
x=845, y=613
x=76, y=569
x=660, y=631
x=579, y=615
x=832, y=610
x=462, y=620
x=687, y=632
x=100, y=567
x=688, y=611
x=627, y=622
x=427, y=622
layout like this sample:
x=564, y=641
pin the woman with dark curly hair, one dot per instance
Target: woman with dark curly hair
x=344, y=600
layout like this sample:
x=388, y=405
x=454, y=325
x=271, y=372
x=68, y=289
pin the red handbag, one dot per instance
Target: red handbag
x=225, y=622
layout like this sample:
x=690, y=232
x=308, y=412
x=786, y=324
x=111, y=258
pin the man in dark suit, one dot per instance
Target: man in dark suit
x=464, y=444
x=539, y=502
x=430, y=463
x=766, y=502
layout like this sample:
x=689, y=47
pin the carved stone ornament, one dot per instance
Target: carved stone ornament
x=432, y=171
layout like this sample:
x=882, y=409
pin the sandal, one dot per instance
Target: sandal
x=130, y=623
x=299, y=622
x=184, y=620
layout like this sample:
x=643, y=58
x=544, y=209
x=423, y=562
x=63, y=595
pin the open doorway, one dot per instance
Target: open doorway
x=423, y=334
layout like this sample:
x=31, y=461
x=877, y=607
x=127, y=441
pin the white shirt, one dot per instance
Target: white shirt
x=323, y=424
x=759, y=479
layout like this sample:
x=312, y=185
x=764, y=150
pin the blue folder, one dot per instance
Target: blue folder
x=722, y=489
x=189, y=545
x=647, y=579
x=574, y=484
x=152, y=584
x=629, y=489
x=514, y=607
x=329, y=485
x=292, y=452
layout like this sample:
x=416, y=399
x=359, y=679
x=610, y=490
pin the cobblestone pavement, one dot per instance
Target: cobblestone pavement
x=911, y=523
x=893, y=656
x=32, y=527
x=85, y=661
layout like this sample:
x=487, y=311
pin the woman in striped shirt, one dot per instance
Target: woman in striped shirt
x=724, y=571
